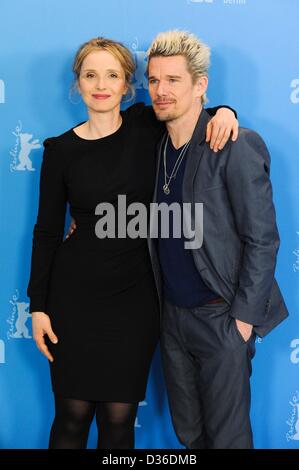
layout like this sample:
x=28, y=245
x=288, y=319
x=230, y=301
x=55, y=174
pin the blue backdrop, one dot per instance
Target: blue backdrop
x=255, y=45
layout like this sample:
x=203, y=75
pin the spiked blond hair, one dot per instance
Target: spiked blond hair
x=175, y=42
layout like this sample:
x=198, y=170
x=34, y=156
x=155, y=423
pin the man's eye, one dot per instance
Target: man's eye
x=172, y=80
x=153, y=81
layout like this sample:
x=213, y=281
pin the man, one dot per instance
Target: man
x=215, y=298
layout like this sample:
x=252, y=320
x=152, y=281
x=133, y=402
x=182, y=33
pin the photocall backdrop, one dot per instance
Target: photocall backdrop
x=255, y=69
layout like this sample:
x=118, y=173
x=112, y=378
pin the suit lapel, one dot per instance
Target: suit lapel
x=194, y=155
x=159, y=156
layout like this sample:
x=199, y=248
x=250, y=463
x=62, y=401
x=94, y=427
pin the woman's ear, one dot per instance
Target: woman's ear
x=126, y=89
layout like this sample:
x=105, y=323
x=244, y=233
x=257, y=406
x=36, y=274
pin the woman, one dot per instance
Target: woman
x=93, y=301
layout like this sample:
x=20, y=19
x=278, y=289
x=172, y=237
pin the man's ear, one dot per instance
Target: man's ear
x=201, y=86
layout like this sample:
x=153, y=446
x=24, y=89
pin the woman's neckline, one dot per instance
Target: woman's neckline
x=118, y=130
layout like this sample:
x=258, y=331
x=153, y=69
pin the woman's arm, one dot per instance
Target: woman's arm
x=49, y=227
x=47, y=236
x=221, y=127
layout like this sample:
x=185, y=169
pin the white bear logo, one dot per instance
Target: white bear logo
x=140, y=73
x=23, y=314
x=2, y=352
x=141, y=64
x=26, y=147
x=296, y=435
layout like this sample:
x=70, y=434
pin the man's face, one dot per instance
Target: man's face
x=171, y=89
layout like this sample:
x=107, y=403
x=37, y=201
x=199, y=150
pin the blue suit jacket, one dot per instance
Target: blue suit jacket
x=240, y=239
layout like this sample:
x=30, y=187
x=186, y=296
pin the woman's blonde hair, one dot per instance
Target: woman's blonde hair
x=175, y=42
x=119, y=52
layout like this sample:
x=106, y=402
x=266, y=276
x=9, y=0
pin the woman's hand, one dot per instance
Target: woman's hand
x=220, y=127
x=41, y=326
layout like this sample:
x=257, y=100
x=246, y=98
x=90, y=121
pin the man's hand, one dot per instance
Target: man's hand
x=72, y=227
x=220, y=127
x=41, y=326
x=245, y=329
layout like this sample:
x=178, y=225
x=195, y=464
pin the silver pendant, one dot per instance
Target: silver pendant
x=166, y=189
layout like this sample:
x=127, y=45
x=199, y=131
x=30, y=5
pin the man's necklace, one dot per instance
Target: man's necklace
x=167, y=178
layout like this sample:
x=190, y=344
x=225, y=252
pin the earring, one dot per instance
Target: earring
x=71, y=94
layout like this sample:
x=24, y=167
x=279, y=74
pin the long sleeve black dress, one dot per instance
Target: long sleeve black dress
x=99, y=293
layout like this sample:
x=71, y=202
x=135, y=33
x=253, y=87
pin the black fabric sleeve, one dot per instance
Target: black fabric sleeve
x=49, y=228
x=213, y=111
x=145, y=114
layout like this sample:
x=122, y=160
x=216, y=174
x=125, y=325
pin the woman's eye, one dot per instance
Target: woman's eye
x=113, y=75
x=90, y=75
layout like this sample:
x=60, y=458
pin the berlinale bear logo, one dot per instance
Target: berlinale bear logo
x=26, y=147
x=2, y=352
x=22, y=149
x=141, y=64
x=18, y=318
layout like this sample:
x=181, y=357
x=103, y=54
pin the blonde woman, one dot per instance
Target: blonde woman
x=93, y=301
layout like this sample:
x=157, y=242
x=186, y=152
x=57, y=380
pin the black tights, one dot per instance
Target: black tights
x=115, y=422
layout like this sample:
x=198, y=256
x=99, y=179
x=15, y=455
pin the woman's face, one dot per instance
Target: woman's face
x=102, y=81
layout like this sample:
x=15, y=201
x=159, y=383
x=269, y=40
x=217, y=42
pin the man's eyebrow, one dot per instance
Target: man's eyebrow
x=173, y=76
x=168, y=76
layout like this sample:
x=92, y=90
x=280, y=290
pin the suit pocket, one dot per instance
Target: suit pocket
x=236, y=331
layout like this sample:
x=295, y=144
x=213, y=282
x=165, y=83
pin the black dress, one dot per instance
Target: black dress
x=99, y=293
